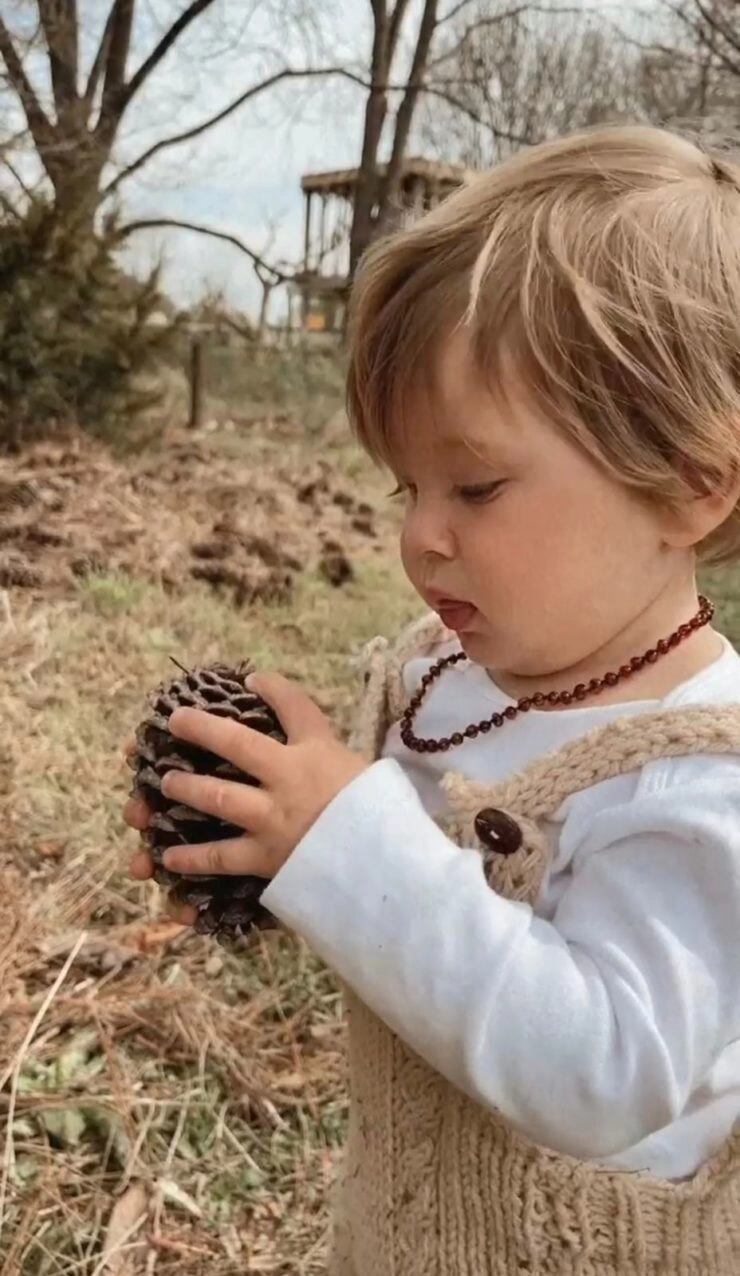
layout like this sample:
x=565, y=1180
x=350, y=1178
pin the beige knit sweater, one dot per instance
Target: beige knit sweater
x=434, y=1184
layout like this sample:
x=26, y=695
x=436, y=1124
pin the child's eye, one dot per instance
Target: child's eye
x=481, y=493
x=476, y=495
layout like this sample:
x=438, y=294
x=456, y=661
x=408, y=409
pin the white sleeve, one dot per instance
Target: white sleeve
x=587, y=1032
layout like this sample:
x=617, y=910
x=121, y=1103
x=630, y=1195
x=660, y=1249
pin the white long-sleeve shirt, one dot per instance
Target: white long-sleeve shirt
x=605, y=1022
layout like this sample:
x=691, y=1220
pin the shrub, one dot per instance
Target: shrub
x=74, y=329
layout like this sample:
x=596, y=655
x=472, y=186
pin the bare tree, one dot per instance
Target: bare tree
x=714, y=26
x=454, y=47
x=524, y=73
x=691, y=65
x=75, y=135
x=370, y=202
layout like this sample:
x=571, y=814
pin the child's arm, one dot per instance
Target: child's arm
x=588, y=1032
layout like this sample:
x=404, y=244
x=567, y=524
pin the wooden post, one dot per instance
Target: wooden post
x=322, y=235
x=196, y=382
x=306, y=260
x=307, y=234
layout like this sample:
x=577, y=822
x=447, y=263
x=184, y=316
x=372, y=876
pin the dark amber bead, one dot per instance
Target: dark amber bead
x=595, y=684
x=510, y=712
x=553, y=697
x=524, y=705
x=662, y=646
x=674, y=640
x=580, y=691
x=651, y=656
x=457, y=738
x=485, y=726
x=444, y=743
x=637, y=662
x=538, y=699
x=625, y=671
x=611, y=679
x=566, y=697
x=471, y=731
x=497, y=720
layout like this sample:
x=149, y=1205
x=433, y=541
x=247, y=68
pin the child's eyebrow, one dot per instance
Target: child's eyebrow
x=486, y=451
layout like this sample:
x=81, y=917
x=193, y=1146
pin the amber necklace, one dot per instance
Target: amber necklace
x=579, y=692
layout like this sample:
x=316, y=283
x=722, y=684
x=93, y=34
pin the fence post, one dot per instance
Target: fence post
x=196, y=381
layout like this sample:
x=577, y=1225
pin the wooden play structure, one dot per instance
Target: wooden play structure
x=319, y=292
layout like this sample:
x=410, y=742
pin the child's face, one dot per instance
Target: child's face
x=558, y=561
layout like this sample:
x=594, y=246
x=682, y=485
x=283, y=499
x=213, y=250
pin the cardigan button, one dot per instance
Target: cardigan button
x=498, y=831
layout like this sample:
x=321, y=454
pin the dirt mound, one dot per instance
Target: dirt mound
x=69, y=508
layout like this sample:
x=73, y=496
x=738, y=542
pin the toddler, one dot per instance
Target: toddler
x=525, y=868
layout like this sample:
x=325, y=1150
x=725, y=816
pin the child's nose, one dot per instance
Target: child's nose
x=427, y=530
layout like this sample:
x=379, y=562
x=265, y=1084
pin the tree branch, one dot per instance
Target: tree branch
x=7, y=204
x=718, y=27
x=456, y=8
x=515, y=138
x=59, y=24
x=494, y=21
x=177, y=138
x=115, y=70
x=100, y=59
x=11, y=169
x=154, y=223
x=41, y=127
x=165, y=44
x=405, y=112
x=394, y=27
x=707, y=38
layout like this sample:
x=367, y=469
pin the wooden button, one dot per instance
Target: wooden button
x=498, y=831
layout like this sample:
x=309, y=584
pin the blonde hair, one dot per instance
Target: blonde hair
x=609, y=264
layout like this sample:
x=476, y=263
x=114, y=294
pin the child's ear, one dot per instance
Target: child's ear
x=703, y=511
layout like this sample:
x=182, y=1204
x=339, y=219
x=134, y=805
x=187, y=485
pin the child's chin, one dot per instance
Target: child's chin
x=478, y=646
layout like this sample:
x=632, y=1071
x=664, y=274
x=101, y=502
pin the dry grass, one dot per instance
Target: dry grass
x=166, y=1106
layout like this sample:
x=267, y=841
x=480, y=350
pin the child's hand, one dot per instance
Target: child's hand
x=299, y=779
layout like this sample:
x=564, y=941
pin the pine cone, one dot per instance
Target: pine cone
x=228, y=906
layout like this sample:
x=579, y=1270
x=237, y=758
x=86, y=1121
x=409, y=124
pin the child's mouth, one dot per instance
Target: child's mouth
x=456, y=615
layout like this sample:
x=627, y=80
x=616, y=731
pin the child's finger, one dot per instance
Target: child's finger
x=141, y=865
x=136, y=813
x=186, y=914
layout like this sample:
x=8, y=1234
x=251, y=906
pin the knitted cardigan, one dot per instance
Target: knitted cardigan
x=434, y=1184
